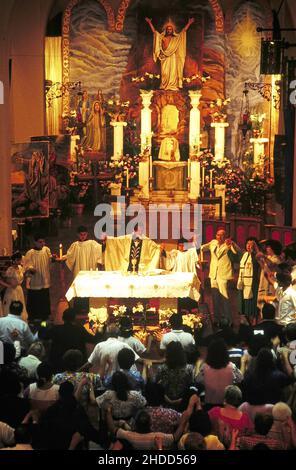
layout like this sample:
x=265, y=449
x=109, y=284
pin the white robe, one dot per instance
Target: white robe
x=15, y=292
x=84, y=256
x=40, y=261
x=172, y=59
x=182, y=262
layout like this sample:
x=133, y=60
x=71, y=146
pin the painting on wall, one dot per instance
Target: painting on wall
x=30, y=180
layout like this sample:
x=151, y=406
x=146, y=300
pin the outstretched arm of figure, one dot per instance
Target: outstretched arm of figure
x=189, y=23
x=150, y=24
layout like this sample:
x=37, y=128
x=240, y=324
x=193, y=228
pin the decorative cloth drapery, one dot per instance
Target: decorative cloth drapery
x=53, y=72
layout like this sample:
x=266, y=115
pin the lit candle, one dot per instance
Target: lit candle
x=211, y=179
x=127, y=178
x=150, y=161
x=61, y=250
x=203, y=176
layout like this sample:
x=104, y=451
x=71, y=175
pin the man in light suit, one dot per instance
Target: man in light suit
x=221, y=271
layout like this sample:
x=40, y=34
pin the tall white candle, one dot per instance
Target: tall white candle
x=151, y=165
x=188, y=168
x=61, y=250
x=127, y=178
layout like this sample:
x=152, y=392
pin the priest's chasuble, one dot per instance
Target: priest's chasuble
x=118, y=250
x=84, y=256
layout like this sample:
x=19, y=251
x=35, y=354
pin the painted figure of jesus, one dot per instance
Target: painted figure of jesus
x=170, y=48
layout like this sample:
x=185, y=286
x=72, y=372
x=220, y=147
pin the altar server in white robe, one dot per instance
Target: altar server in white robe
x=181, y=260
x=37, y=267
x=84, y=254
x=15, y=276
x=134, y=252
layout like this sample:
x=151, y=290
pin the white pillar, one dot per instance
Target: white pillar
x=219, y=139
x=144, y=178
x=220, y=191
x=194, y=180
x=118, y=138
x=258, y=144
x=194, y=122
x=146, y=134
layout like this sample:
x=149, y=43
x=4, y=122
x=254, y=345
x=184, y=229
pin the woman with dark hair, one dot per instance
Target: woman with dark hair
x=65, y=424
x=248, y=280
x=125, y=402
x=217, y=373
x=163, y=419
x=264, y=383
x=175, y=375
x=44, y=392
x=73, y=360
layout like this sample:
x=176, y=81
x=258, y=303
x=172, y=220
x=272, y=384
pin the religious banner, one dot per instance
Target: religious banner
x=30, y=180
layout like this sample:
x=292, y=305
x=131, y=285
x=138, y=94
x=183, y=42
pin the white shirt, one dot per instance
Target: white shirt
x=30, y=363
x=12, y=322
x=49, y=395
x=287, y=305
x=186, y=339
x=106, y=353
x=40, y=261
x=134, y=343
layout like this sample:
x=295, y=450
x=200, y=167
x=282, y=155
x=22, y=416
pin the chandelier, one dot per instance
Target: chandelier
x=54, y=90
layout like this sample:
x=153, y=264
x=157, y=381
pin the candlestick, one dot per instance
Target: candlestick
x=61, y=250
x=127, y=178
x=203, y=176
x=188, y=168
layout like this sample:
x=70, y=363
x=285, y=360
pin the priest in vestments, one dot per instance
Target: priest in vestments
x=84, y=254
x=134, y=252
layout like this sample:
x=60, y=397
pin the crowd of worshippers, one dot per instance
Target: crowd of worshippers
x=232, y=390
x=264, y=271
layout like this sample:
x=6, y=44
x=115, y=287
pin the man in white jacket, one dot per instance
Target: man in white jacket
x=221, y=271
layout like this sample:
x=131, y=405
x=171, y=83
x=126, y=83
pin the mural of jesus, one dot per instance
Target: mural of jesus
x=170, y=48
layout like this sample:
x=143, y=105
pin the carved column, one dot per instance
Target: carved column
x=194, y=124
x=118, y=138
x=219, y=139
x=258, y=144
x=146, y=134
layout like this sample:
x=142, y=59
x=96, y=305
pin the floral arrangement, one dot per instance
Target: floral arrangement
x=126, y=164
x=148, y=81
x=218, y=109
x=116, y=109
x=143, y=316
x=257, y=124
x=245, y=187
x=205, y=158
x=195, y=81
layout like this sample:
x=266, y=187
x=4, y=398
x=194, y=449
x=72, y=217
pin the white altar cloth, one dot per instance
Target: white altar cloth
x=115, y=284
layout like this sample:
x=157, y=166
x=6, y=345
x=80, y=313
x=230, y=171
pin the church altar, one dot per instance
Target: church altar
x=115, y=284
x=170, y=175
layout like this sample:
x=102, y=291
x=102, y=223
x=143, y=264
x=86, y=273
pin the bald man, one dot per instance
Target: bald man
x=221, y=271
